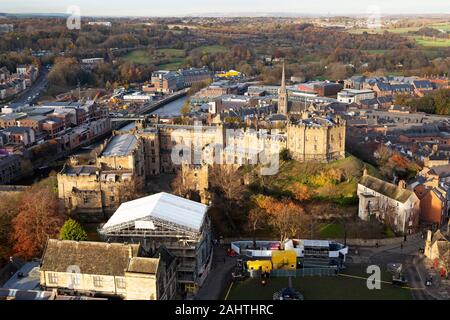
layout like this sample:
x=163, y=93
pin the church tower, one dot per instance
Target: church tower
x=283, y=95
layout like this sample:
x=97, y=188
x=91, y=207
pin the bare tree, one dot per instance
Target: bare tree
x=228, y=186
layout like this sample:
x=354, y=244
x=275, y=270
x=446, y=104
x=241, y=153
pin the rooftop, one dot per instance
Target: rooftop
x=98, y=258
x=385, y=188
x=79, y=170
x=119, y=146
x=183, y=212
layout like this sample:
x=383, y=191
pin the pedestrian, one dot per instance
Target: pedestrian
x=401, y=246
x=376, y=245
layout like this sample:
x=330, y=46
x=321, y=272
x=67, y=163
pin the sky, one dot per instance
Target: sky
x=189, y=7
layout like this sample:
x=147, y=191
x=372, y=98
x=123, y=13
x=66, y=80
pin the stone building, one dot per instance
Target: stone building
x=128, y=160
x=180, y=225
x=108, y=270
x=394, y=205
x=437, y=250
x=317, y=139
x=283, y=101
x=118, y=175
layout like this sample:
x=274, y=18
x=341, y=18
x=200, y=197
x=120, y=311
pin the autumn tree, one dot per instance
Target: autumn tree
x=300, y=192
x=38, y=219
x=285, y=216
x=185, y=109
x=72, y=230
x=9, y=208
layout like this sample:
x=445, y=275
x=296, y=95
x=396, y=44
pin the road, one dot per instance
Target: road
x=414, y=265
x=35, y=90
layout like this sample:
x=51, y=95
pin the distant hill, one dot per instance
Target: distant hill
x=33, y=15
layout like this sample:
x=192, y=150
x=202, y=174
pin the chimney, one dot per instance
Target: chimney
x=365, y=172
x=429, y=235
x=402, y=184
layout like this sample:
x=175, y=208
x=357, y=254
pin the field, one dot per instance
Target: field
x=170, y=59
x=425, y=42
x=430, y=42
x=377, y=51
x=350, y=285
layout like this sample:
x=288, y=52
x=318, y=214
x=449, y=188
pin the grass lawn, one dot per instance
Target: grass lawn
x=382, y=30
x=331, y=231
x=175, y=58
x=430, y=42
x=139, y=57
x=350, y=287
x=442, y=26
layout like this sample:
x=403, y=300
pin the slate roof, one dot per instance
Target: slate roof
x=143, y=265
x=96, y=258
x=441, y=171
x=385, y=188
x=119, y=146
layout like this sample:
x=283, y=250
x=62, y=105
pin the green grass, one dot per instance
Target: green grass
x=322, y=288
x=322, y=188
x=331, y=231
x=442, y=26
x=430, y=42
x=382, y=30
x=174, y=58
x=139, y=57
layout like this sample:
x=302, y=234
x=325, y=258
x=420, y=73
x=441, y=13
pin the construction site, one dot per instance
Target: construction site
x=180, y=225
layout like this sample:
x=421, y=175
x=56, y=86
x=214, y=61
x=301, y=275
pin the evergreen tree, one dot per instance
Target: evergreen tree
x=72, y=230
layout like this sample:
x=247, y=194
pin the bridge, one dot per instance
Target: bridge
x=143, y=113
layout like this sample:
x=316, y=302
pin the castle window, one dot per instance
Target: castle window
x=85, y=200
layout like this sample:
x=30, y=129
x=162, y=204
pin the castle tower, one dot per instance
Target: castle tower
x=283, y=95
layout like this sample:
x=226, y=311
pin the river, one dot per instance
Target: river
x=171, y=109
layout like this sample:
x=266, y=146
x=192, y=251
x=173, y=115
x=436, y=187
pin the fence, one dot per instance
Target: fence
x=305, y=272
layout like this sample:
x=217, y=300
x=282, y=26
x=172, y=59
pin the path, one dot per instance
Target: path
x=219, y=275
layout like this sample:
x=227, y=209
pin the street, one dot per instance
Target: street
x=414, y=264
x=35, y=90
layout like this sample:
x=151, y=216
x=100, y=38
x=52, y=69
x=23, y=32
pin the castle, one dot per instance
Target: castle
x=126, y=162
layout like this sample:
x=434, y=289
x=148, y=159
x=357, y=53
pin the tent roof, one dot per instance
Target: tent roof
x=161, y=206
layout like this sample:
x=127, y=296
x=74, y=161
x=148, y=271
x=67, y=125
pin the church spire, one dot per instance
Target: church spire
x=283, y=95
